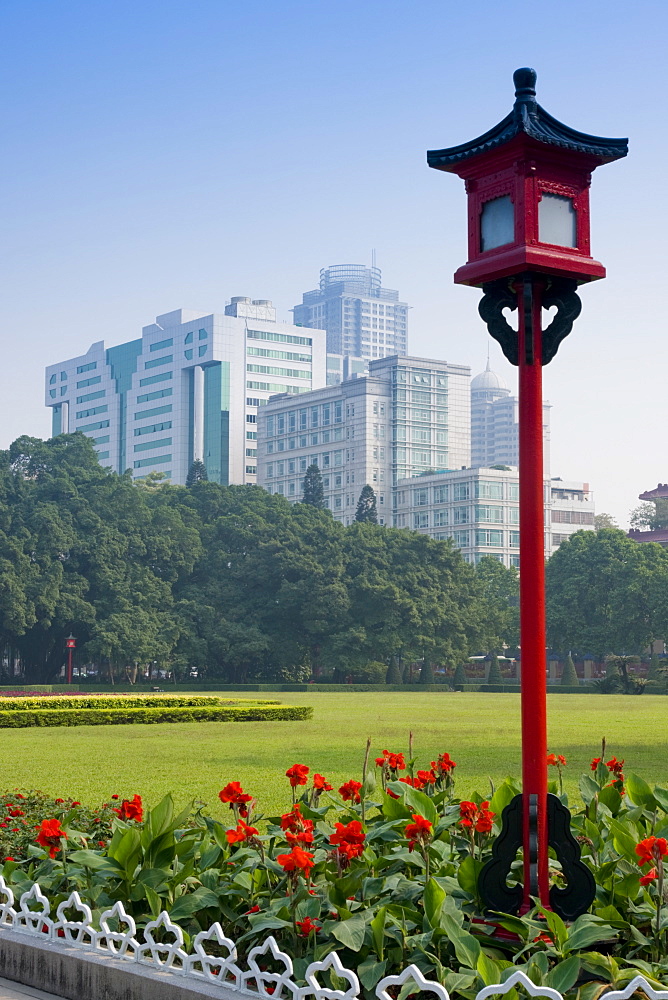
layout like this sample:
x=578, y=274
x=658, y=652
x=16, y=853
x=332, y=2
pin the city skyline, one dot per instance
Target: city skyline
x=136, y=185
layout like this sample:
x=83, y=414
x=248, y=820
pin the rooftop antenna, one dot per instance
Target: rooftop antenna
x=487, y=368
x=373, y=258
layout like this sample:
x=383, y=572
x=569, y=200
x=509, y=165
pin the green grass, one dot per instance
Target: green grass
x=480, y=731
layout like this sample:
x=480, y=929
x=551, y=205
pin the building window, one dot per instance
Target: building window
x=421, y=519
x=188, y=354
x=461, y=539
x=440, y=494
x=513, y=491
x=148, y=445
x=489, y=513
x=89, y=381
x=440, y=518
x=514, y=515
x=461, y=515
x=203, y=334
x=251, y=418
x=461, y=491
x=201, y=351
x=489, y=537
x=160, y=344
x=162, y=377
x=515, y=539
x=251, y=470
x=489, y=490
x=188, y=338
x=166, y=359
x=91, y=366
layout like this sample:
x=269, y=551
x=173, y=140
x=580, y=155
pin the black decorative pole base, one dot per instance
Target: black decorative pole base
x=580, y=889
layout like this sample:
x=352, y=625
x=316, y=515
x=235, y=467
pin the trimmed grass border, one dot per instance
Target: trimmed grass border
x=18, y=719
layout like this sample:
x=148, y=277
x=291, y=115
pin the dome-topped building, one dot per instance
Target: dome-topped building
x=494, y=423
x=488, y=386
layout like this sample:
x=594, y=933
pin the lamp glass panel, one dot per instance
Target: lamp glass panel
x=497, y=223
x=557, y=220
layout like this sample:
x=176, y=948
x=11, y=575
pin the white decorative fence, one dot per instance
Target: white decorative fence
x=33, y=918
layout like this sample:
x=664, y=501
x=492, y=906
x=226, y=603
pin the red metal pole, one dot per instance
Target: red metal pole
x=532, y=594
x=69, y=664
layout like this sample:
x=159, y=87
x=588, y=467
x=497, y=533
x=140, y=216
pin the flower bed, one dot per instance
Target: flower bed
x=120, y=700
x=383, y=871
x=123, y=715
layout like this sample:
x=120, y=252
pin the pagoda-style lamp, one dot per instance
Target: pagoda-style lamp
x=70, y=644
x=527, y=182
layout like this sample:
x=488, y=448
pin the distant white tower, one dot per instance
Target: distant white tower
x=494, y=423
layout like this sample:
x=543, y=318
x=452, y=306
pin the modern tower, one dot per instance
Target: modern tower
x=362, y=319
x=190, y=387
x=495, y=425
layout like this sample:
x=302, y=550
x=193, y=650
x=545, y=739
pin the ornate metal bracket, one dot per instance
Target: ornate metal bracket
x=568, y=902
x=500, y=295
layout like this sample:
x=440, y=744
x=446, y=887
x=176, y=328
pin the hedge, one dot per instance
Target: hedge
x=123, y=701
x=17, y=719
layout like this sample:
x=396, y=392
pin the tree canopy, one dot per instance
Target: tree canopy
x=227, y=581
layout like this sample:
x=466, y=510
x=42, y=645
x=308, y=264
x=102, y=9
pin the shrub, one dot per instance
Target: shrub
x=569, y=677
x=494, y=676
x=17, y=719
x=426, y=673
x=393, y=675
x=460, y=675
x=123, y=701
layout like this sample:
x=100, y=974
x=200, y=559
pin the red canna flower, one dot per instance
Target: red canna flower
x=595, y=762
x=321, y=784
x=131, y=809
x=253, y=909
x=115, y=796
x=298, y=774
x=241, y=833
x=652, y=849
x=427, y=777
x=16, y=812
x=394, y=761
x=307, y=927
x=9, y=858
x=349, y=839
x=444, y=764
x=234, y=794
x=350, y=791
x=74, y=804
x=418, y=832
x=413, y=782
x=476, y=818
x=298, y=830
x=649, y=877
x=296, y=861
x=55, y=800
x=50, y=835
x=556, y=760
x=616, y=766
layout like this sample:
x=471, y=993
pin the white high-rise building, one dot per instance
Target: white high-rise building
x=191, y=387
x=495, y=424
x=479, y=509
x=362, y=319
x=408, y=416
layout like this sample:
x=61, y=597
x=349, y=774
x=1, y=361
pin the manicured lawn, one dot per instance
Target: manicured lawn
x=480, y=731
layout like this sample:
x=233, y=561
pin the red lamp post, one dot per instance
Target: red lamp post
x=527, y=182
x=70, y=643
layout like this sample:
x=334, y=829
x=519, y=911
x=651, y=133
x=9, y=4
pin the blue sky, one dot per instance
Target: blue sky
x=172, y=154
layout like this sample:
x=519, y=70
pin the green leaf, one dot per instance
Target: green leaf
x=611, y=798
x=394, y=808
x=467, y=948
x=156, y=878
x=351, y=932
x=556, y=925
x=583, y=934
x=377, y=926
x=370, y=972
x=623, y=841
x=420, y=803
x=154, y=901
x=564, y=975
x=661, y=796
x=468, y=872
x=588, y=788
x=639, y=792
x=186, y=905
x=502, y=797
x=89, y=859
x=433, y=898
x=488, y=969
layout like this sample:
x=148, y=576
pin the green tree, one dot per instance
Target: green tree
x=606, y=593
x=393, y=675
x=498, y=594
x=569, y=677
x=494, y=676
x=604, y=521
x=427, y=672
x=196, y=473
x=366, y=506
x=654, y=669
x=313, y=493
x=651, y=515
x=460, y=675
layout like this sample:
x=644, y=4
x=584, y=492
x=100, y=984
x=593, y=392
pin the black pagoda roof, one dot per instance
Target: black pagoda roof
x=529, y=118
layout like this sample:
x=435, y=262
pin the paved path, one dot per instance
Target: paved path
x=16, y=991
